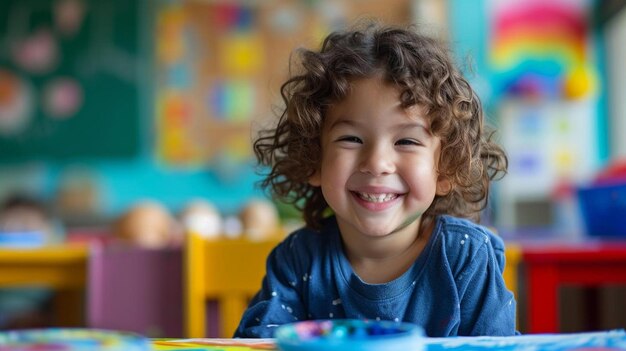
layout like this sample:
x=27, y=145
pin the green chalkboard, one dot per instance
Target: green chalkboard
x=70, y=72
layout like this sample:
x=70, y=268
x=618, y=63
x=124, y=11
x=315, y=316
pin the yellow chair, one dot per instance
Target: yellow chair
x=229, y=271
x=513, y=257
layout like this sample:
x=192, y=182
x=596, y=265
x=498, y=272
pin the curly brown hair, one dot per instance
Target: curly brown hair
x=422, y=69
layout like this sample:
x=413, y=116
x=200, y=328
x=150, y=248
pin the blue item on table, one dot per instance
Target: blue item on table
x=349, y=335
x=72, y=339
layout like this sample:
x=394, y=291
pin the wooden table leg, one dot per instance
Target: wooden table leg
x=68, y=307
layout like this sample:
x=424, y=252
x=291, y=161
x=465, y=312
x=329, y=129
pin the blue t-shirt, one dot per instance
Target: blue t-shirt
x=454, y=287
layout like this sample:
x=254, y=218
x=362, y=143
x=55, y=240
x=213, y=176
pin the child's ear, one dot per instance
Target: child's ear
x=444, y=186
x=315, y=179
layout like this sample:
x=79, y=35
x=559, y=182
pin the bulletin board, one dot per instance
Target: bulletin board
x=545, y=75
x=69, y=79
x=220, y=66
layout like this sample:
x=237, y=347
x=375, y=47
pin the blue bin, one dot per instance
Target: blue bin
x=603, y=209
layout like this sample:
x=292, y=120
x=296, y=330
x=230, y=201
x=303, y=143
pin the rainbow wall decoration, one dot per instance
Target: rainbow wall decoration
x=541, y=48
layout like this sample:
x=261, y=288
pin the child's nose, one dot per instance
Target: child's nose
x=376, y=160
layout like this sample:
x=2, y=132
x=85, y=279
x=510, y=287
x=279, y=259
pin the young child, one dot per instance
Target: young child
x=27, y=307
x=382, y=145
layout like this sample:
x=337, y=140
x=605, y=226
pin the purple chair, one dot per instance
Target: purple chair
x=135, y=289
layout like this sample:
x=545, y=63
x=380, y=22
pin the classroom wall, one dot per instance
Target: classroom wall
x=115, y=181
x=102, y=184
x=555, y=142
x=119, y=180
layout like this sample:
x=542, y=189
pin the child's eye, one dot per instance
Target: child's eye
x=408, y=142
x=350, y=139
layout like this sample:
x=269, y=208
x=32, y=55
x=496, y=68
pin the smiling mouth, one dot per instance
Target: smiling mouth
x=377, y=198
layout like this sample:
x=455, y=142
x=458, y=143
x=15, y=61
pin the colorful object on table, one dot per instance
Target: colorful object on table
x=349, y=335
x=216, y=344
x=70, y=339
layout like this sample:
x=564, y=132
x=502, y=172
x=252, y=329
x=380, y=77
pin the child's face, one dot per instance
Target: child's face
x=379, y=162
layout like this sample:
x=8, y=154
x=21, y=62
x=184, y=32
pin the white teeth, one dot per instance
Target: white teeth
x=377, y=197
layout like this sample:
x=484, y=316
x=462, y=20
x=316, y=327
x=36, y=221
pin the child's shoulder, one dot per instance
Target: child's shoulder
x=461, y=233
x=310, y=240
x=467, y=246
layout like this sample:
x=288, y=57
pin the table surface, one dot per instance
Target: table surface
x=81, y=339
x=614, y=340
x=57, y=253
x=56, y=266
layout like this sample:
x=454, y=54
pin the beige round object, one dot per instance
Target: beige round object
x=147, y=224
x=260, y=219
x=201, y=217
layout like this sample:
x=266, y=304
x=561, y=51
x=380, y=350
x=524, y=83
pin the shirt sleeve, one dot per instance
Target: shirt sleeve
x=279, y=300
x=487, y=306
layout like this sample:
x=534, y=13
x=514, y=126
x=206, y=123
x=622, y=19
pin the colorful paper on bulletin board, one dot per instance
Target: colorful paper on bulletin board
x=174, y=109
x=547, y=142
x=240, y=55
x=232, y=100
x=220, y=65
x=540, y=48
x=232, y=17
x=208, y=82
x=174, y=117
x=170, y=24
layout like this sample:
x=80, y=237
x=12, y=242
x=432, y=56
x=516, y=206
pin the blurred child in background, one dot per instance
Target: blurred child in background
x=27, y=216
